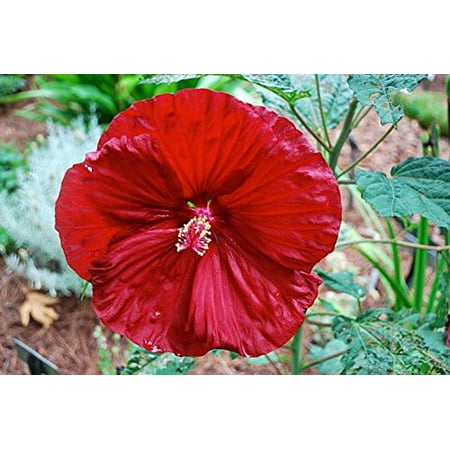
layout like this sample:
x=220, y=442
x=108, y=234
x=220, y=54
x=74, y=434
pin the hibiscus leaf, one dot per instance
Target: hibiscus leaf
x=282, y=85
x=381, y=341
x=342, y=282
x=169, y=78
x=418, y=186
x=144, y=362
x=377, y=90
x=335, y=97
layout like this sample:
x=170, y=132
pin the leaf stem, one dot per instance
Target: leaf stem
x=325, y=358
x=360, y=115
x=297, y=352
x=307, y=127
x=437, y=248
x=346, y=129
x=367, y=153
x=322, y=114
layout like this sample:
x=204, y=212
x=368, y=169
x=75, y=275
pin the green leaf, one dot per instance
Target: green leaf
x=282, y=85
x=381, y=341
x=263, y=359
x=418, y=186
x=335, y=95
x=143, y=362
x=168, y=78
x=332, y=366
x=377, y=90
x=342, y=282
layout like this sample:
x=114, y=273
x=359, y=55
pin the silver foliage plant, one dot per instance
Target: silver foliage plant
x=28, y=213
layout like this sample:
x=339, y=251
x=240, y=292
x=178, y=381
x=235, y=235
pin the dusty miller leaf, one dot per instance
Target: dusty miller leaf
x=418, y=186
x=377, y=90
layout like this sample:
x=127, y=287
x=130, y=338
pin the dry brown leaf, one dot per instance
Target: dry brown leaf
x=36, y=305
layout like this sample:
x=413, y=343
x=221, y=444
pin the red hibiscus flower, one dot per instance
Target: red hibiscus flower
x=198, y=221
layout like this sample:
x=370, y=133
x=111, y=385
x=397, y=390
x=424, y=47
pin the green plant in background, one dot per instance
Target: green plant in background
x=10, y=84
x=64, y=97
x=27, y=213
x=12, y=162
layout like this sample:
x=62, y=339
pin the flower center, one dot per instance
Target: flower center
x=195, y=233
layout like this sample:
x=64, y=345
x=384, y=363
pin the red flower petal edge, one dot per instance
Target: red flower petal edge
x=198, y=221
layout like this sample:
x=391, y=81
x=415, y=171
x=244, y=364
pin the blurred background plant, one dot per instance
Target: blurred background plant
x=27, y=207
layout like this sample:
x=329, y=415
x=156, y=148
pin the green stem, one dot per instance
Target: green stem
x=360, y=115
x=322, y=114
x=397, y=264
x=297, y=352
x=367, y=153
x=436, y=248
x=435, y=285
x=325, y=358
x=307, y=128
x=387, y=277
x=346, y=129
x=420, y=265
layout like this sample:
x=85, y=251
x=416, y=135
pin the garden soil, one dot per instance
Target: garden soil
x=69, y=342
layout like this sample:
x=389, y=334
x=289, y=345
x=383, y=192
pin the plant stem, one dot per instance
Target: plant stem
x=360, y=115
x=307, y=128
x=277, y=370
x=346, y=129
x=397, y=264
x=437, y=248
x=325, y=358
x=420, y=265
x=297, y=352
x=435, y=285
x=322, y=114
x=367, y=153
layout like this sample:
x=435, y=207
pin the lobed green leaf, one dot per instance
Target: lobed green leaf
x=377, y=90
x=342, y=282
x=417, y=186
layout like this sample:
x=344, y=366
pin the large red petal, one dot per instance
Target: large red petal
x=210, y=139
x=141, y=285
x=181, y=302
x=289, y=206
x=123, y=188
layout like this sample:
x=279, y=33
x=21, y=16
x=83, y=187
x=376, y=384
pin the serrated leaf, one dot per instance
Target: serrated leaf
x=281, y=85
x=377, y=90
x=382, y=341
x=37, y=306
x=418, y=186
x=335, y=97
x=342, y=282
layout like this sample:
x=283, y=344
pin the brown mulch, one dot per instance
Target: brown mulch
x=70, y=343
